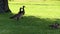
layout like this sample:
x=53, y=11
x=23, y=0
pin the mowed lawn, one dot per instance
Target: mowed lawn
x=38, y=16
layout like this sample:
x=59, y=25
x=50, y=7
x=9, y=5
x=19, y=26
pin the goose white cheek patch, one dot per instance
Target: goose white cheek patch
x=21, y=9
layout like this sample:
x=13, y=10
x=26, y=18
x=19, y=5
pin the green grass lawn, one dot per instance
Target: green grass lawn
x=36, y=19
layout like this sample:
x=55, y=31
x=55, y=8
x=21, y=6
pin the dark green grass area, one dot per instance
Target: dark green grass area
x=27, y=25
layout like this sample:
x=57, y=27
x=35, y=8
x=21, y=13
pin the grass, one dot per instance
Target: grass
x=44, y=9
x=36, y=19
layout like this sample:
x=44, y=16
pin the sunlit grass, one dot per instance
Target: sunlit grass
x=44, y=10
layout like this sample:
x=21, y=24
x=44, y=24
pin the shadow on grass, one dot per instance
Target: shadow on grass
x=28, y=24
x=41, y=23
x=28, y=21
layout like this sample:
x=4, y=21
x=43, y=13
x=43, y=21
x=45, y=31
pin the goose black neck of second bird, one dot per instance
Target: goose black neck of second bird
x=21, y=10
